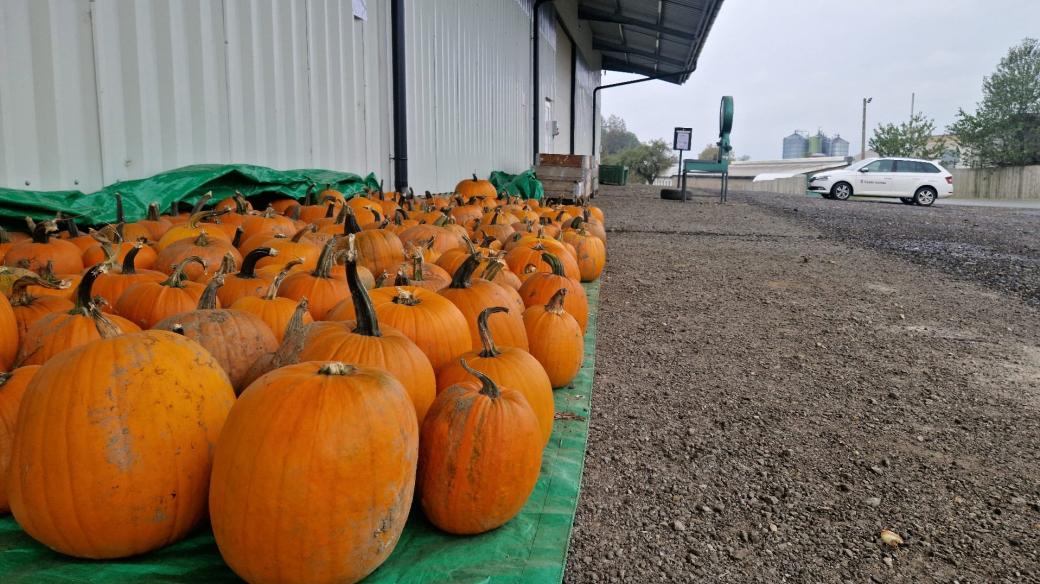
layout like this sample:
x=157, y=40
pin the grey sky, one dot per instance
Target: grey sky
x=807, y=64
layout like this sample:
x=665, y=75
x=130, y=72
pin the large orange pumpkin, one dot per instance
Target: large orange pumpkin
x=297, y=246
x=379, y=250
x=154, y=223
x=556, y=339
x=271, y=308
x=146, y=303
x=235, y=338
x=12, y=387
x=139, y=416
x=192, y=229
x=210, y=249
x=539, y=287
x=33, y=254
x=364, y=342
x=507, y=366
x=58, y=331
x=592, y=252
x=416, y=272
x=472, y=296
x=480, y=455
x=246, y=282
x=295, y=432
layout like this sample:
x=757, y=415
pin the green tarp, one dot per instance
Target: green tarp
x=523, y=185
x=530, y=548
x=181, y=185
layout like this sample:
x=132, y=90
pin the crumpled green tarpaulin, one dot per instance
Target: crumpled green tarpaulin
x=530, y=548
x=523, y=185
x=183, y=185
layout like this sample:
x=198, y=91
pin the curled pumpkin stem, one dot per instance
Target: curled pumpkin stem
x=272, y=290
x=487, y=385
x=177, y=277
x=488, y=342
x=555, y=304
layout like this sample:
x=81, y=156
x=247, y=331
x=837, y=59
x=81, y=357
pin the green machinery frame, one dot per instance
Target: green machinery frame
x=721, y=162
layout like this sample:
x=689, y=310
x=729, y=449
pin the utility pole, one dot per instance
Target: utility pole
x=912, y=96
x=863, y=136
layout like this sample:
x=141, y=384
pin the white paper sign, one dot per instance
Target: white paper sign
x=360, y=10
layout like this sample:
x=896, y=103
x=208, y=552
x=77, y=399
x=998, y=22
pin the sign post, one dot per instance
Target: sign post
x=681, y=142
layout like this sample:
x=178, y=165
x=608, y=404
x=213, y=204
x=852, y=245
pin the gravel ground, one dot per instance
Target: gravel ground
x=775, y=387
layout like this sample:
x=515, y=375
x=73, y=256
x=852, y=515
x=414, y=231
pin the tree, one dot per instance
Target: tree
x=1005, y=128
x=648, y=161
x=710, y=152
x=616, y=138
x=912, y=139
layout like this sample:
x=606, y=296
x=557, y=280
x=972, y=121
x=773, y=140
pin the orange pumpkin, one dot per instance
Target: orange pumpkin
x=145, y=256
x=479, y=458
x=443, y=239
x=155, y=224
x=475, y=187
x=111, y=284
x=29, y=308
x=509, y=367
x=471, y=296
x=322, y=289
x=334, y=424
x=267, y=224
x=192, y=229
x=297, y=246
x=591, y=251
x=12, y=388
x=138, y=454
x=556, y=339
x=57, y=331
x=417, y=272
x=146, y=303
x=379, y=250
x=212, y=251
x=271, y=308
x=363, y=342
x=33, y=254
x=539, y=287
x=247, y=282
x=8, y=334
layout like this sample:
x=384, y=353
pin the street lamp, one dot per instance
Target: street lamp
x=863, y=136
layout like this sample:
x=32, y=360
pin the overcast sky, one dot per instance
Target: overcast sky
x=807, y=64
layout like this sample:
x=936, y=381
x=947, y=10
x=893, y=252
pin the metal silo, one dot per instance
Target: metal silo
x=839, y=147
x=815, y=146
x=795, y=146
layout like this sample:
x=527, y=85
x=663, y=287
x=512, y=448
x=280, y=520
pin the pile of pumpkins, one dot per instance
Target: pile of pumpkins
x=297, y=373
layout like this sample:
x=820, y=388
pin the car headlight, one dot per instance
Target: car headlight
x=821, y=177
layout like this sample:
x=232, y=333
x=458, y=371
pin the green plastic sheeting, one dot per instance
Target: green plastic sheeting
x=181, y=185
x=530, y=548
x=523, y=185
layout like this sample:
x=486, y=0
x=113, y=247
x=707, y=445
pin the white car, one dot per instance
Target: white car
x=914, y=182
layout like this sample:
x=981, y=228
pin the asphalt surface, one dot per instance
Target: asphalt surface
x=781, y=378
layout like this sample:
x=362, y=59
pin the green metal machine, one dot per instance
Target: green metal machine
x=721, y=162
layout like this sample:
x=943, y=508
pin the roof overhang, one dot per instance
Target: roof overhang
x=650, y=37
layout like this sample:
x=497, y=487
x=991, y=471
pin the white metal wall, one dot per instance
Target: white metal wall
x=93, y=92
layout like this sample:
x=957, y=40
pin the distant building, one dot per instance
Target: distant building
x=801, y=145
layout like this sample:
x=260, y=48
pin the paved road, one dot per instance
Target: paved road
x=776, y=384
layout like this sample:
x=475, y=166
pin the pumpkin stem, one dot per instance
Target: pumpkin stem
x=42, y=231
x=4, y=238
x=441, y=221
x=555, y=304
x=401, y=279
x=350, y=224
x=237, y=240
x=241, y=204
x=490, y=350
x=469, y=244
x=227, y=265
x=417, y=266
x=406, y=297
x=576, y=222
x=176, y=279
x=294, y=212
x=272, y=290
x=382, y=278
x=130, y=259
x=106, y=328
x=197, y=218
x=71, y=227
x=304, y=231
x=248, y=269
x=20, y=295
x=308, y=197
x=364, y=313
x=201, y=202
x=203, y=239
x=4, y=378
x=208, y=300
x=326, y=260
x=475, y=179
x=120, y=212
x=153, y=211
x=554, y=263
x=492, y=269
x=487, y=386
x=84, y=299
x=295, y=326
x=463, y=277
x=336, y=368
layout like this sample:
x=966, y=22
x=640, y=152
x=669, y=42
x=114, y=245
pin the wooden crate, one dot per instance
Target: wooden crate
x=570, y=160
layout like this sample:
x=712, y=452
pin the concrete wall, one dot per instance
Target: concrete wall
x=789, y=186
x=1016, y=182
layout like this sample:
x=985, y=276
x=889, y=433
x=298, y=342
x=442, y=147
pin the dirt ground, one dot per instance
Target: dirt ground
x=776, y=386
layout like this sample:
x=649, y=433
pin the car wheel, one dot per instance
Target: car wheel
x=925, y=196
x=907, y=200
x=827, y=196
x=841, y=191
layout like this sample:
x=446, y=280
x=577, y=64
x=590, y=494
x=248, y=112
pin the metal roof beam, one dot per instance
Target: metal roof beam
x=616, y=48
x=614, y=64
x=591, y=14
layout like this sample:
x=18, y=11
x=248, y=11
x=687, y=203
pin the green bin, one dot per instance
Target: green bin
x=613, y=174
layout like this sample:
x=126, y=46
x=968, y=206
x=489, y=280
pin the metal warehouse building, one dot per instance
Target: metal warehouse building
x=97, y=91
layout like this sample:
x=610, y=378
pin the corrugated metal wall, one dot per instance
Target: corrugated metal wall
x=93, y=92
